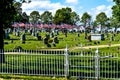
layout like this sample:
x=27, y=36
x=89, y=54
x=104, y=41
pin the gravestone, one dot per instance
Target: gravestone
x=89, y=38
x=30, y=31
x=38, y=36
x=78, y=34
x=97, y=37
x=52, y=35
x=47, y=36
x=17, y=33
x=7, y=35
x=25, y=31
x=9, y=30
x=111, y=38
x=55, y=40
x=45, y=40
x=33, y=32
x=56, y=32
x=23, y=38
x=53, y=43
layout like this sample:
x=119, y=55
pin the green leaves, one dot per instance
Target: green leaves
x=46, y=17
x=65, y=15
x=116, y=13
x=101, y=18
x=34, y=16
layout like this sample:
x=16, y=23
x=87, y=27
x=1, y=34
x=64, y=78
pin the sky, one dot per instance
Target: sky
x=93, y=7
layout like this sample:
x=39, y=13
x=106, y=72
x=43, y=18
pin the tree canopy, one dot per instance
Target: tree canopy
x=116, y=13
x=34, y=16
x=63, y=16
x=85, y=18
x=46, y=17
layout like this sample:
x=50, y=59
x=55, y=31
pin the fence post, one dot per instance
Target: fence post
x=66, y=69
x=97, y=57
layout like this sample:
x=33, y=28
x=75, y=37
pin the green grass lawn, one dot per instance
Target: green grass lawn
x=71, y=40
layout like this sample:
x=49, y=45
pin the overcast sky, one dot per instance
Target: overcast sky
x=93, y=7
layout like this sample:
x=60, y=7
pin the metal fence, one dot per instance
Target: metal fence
x=93, y=65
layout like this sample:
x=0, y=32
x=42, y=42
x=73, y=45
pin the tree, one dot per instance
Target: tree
x=63, y=16
x=101, y=19
x=116, y=14
x=20, y=17
x=7, y=12
x=34, y=16
x=74, y=18
x=46, y=17
x=86, y=19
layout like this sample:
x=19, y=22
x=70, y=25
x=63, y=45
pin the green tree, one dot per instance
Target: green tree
x=20, y=17
x=25, y=17
x=116, y=14
x=101, y=19
x=46, y=17
x=74, y=18
x=86, y=19
x=7, y=13
x=63, y=16
x=34, y=16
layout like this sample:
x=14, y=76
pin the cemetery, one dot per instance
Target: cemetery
x=55, y=39
x=43, y=47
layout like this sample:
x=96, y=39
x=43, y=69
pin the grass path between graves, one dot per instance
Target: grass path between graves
x=91, y=47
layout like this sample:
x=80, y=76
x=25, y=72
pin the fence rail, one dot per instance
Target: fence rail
x=61, y=63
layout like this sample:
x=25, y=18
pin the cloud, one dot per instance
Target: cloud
x=72, y=1
x=41, y=6
x=101, y=8
x=110, y=0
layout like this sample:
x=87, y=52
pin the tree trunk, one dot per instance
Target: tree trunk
x=2, y=57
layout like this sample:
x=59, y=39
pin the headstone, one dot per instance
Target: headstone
x=23, y=38
x=37, y=34
x=102, y=37
x=52, y=35
x=17, y=33
x=9, y=30
x=33, y=33
x=30, y=31
x=89, y=38
x=7, y=35
x=111, y=38
x=53, y=43
x=78, y=34
x=97, y=37
x=55, y=40
x=39, y=38
x=45, y=40
x=65, y=34
x=47, y=36
x=57, y=33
